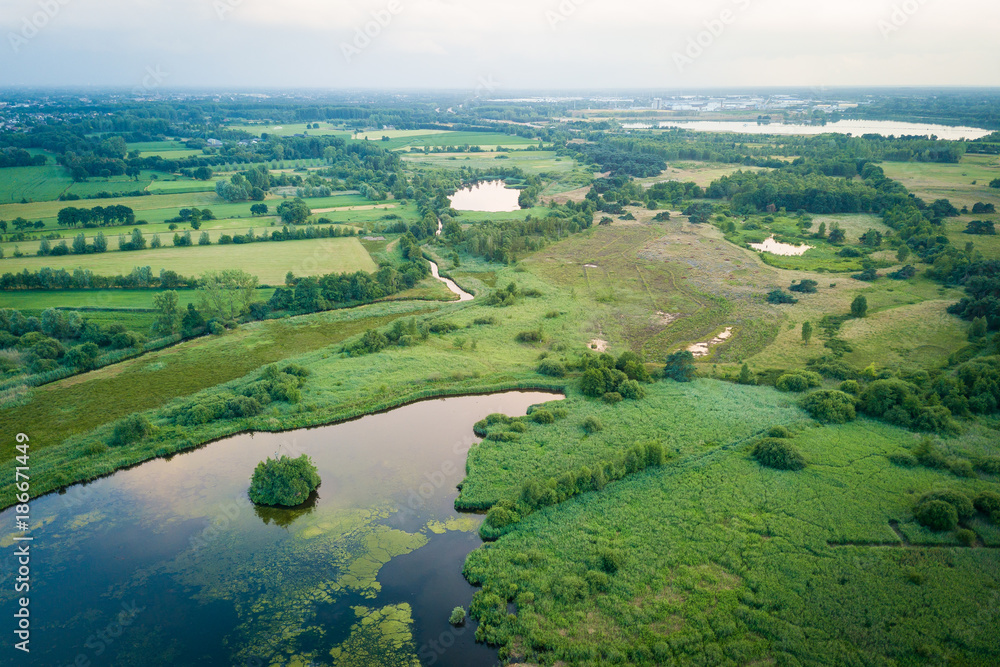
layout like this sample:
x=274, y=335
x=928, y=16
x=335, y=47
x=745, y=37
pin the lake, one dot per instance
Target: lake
x=169, y=564
x=488, y=196
x=855, y=127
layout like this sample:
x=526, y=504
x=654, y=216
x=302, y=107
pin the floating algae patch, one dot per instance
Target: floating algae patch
x=382, y=637
x=463, y=523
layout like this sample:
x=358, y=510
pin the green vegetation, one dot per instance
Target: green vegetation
x=283, y=481
x=817, y=486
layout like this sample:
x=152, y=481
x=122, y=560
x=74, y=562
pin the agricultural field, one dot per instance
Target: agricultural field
x=268, y=261
x=30, y=184
x=406, y=139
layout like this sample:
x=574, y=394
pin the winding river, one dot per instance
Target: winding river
x=169, y=564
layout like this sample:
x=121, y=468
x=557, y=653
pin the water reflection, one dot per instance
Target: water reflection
x=486, y=196
x=180, y=540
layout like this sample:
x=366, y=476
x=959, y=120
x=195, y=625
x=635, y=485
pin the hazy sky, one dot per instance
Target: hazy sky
x=493, y=45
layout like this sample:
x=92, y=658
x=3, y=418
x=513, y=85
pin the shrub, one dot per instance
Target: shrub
x=779, y=432
x=778, y=454
x=215, y=328
x=780, y=297
x=457, y=617
x=131, y=429
x=552, y=368
x=988, y=502
x=850, y=387
x=936, y=515
x=963, y=506
x=612, y=397
x=530, y=336
x=284, y=481
x=799, y=381
x=592, y=425
x=631, y=390
x=679, y=366
x=805, y=287
x=830, y=406
x=966, y=537
x=542, y=417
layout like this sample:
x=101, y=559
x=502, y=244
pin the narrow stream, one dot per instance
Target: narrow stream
x=462, y=294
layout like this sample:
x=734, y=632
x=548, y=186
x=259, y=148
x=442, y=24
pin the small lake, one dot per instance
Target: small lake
x=169, y=564
x=488, y=196
x=776, y=247
x=856, y=127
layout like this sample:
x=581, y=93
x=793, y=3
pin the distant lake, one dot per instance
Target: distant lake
x=856, y=127
x=488, y=196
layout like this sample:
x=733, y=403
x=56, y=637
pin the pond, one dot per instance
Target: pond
x=488, y=196
x=169, y=564
x=776, y=247
x=855, y=127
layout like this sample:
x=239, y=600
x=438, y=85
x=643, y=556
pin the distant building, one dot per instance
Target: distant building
x=214, y=143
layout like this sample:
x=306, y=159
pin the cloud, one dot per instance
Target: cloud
x=531, y=43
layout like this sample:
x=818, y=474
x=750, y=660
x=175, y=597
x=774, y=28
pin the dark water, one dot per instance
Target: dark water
x=169, y=564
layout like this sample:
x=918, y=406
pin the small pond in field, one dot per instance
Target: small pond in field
x=168, y=563
x=488, y=196
x=775, y=247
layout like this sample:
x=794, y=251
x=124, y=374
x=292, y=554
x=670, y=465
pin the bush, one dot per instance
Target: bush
x=850, y=387
x=542, y=417
x=963, y=506
x=612, y=397
x=552, y=368
x=799, y=381
x=599, y=582
x=215, y=328
x=592, y=425
x=966, y=537
x=679, y=366
x=631, y=390
x=457, y=617
x=988, y=502
x=130, y=429
x=779, y=432
x=779, y=297
x=778, y=454
x=936, y=515
x=284, y=481
x=530, y=336
x=903, y=460
x=830, y=406
x=805, y=287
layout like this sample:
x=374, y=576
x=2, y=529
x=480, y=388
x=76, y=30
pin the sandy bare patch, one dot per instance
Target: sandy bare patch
x=599, y=345
x=665, y=319
x=591, y=266
x=701, y=349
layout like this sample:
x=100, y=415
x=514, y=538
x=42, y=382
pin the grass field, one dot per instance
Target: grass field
x=268, y=261
x=31, y=184
x=112, y=298
x=291, y=129
x=717, y=560
x=405, y=139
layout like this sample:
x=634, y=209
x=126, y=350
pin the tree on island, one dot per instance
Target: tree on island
x=283, y=481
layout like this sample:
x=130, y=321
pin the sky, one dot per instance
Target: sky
x=489, y=46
